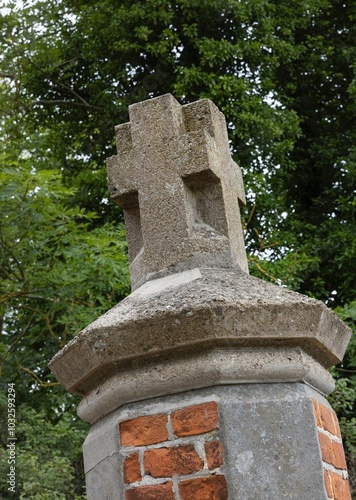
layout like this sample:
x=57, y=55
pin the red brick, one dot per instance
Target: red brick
x=132, y=471
x=328, y=486
x=214, y=454
x=204, y=488
x=165, y=462
x=341, y=487
x=326, y=446
x=195, y=420
x=327, y=419
x=156, y=492
x=317, y=413
x=332, y=452
x=141, y=431
x=337, y=427
x=339, y=456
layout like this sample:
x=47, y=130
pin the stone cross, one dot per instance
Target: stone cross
x=179, y=188
x=202, y=358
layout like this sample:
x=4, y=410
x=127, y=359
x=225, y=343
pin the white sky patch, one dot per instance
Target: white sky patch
x=5, y=10
x=177, y=51
x=81, y=157
x=36, y=190
x=69, y=16
x=130, y=70
x=251, y=195
x=25, y=155
x=272, y=101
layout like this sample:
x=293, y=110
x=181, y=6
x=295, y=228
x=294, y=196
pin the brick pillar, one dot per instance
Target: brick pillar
x=178, y=451
x=231, y=441
x=204, y=383
x=332, y=452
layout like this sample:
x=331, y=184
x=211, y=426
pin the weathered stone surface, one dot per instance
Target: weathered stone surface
x=179, y=187
x=103, y=482
x=101, y=442
x=275, y=452
x=196, y=369
x=102, y=460
x=168, y=318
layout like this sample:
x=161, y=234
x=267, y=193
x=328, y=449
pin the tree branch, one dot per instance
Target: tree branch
x=253, y=260
x=15, y=295
x=64, y=86
x=83, y=103
x=17, y=339
x=346, y=371
x=16, y=262
x=36, y=378
x=7, y=75
x=251, y=215
x=66, y=103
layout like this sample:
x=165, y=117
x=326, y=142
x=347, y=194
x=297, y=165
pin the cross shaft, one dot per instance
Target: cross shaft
x=179, y=188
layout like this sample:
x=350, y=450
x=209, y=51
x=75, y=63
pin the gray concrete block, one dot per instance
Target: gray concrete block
x=102, y=442
x=102, y=482
x=271, y=443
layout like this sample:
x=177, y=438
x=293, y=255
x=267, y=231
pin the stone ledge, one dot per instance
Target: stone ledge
x=199, y=309
x=219, y=366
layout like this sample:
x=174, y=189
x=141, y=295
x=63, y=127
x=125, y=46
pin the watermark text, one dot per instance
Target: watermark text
x=11, y=439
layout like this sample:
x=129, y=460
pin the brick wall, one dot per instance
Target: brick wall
x=174, y=456
x=332, y=453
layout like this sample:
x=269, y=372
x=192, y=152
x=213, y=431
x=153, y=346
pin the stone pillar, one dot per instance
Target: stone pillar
x=204, y=383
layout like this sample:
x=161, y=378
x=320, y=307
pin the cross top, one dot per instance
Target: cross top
x=179, y=188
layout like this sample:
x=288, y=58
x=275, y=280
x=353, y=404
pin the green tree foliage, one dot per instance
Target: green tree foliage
x=56, y=277
x=48, y=458
x=282, y=72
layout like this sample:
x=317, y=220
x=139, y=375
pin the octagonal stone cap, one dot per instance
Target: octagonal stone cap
x=199, y=308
